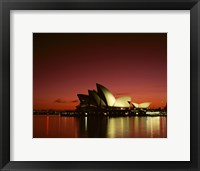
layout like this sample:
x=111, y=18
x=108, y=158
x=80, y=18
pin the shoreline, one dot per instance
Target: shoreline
x=108, y=115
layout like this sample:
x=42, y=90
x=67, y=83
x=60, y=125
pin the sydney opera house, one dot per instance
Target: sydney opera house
x=103, y=99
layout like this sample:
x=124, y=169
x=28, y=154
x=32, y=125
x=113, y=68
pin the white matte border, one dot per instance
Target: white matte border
x=176, y=147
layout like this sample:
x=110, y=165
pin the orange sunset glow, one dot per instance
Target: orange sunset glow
x=128, y=64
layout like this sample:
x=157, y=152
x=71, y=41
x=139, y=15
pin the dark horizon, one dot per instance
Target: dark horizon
x=128, y=64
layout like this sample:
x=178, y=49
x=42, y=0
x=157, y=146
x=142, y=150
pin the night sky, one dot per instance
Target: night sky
x=128, y=64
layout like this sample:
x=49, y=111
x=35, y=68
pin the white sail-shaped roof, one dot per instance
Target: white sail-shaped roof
x=106, y=95
x=104, y=98
x=135, y=104
x=142, y=105
x=96, y=98
x=122, y=101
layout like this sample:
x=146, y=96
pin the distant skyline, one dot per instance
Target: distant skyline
x=128, y=64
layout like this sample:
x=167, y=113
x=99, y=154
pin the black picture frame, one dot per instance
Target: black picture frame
x=7, y=5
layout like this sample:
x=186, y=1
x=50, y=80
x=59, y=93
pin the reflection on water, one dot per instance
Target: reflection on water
x=54, y=126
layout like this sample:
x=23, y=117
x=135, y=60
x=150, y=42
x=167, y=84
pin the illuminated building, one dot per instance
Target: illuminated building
x=141, y=105
x=102, y=99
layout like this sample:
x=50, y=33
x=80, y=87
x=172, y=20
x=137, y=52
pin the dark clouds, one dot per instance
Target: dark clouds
x=75, y=101
x=59, y=100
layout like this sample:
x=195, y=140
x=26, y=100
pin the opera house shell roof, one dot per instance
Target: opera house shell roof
x=141, y=105
x=102, y=98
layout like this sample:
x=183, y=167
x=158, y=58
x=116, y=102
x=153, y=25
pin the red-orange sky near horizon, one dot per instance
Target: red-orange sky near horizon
x=128, y=64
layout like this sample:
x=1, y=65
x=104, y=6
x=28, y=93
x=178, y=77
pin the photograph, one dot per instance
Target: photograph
x=99, y=85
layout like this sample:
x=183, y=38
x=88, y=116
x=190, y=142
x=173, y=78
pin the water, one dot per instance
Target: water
x=54, y=126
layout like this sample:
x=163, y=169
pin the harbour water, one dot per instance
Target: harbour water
x=55, y=126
